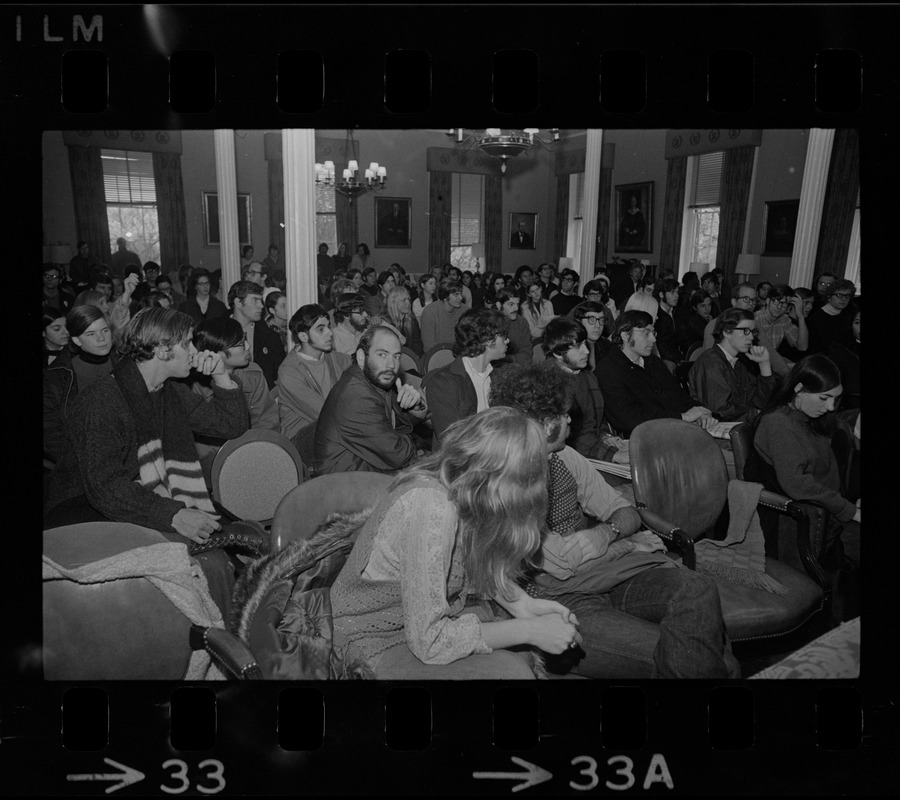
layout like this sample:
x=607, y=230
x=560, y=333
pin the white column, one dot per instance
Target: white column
x=298, y=147
x=812, y=198
x=593, y=154
x=226, y=186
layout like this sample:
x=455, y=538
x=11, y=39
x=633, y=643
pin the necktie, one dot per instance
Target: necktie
x=563, y=514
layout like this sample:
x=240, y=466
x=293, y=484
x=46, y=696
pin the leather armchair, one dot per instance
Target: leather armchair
x=304, y=509
x=123, y=629
x=680, y=486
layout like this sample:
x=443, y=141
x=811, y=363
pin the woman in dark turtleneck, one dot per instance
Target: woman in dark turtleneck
x=88, y=358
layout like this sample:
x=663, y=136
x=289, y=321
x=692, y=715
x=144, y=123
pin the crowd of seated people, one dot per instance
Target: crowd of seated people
x=565, y=375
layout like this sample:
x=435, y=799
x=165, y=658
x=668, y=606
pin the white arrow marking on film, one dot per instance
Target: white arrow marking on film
x=533, y=776
x=124, y=778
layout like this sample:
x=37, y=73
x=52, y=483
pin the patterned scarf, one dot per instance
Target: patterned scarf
x=167, y=456
x=563, y=513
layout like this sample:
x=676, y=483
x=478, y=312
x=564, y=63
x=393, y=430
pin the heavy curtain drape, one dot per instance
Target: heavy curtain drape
x=604, y=202
x=170, y=210
x=276, y=204
x=561, y=223
x=91, y=221
x=840, y=204
x=493, y=222
x=673, y=215
x=347, y=222
x=439, y=210
x=734, y=198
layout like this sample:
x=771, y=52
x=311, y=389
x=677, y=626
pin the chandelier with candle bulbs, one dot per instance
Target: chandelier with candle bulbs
x=351, y=184
x=503, y=144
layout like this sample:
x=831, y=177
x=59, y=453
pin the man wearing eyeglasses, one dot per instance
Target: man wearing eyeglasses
x=54, y=294
x=255, y=272
x=743, y=296
x=733, y=379
x=637, y=385
x=592, y=317
x=566, y=298
x=831, y=322
x=773, y=321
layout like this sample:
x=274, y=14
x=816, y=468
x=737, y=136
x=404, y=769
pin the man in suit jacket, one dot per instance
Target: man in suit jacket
x=521, y=238
x=626, y=287
x=461, y=388
x=367, y=419
x=246, y=302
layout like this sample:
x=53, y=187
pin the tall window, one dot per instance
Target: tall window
x=701, y=229
x=466, y=218
x=326, y=218
x=131, y=201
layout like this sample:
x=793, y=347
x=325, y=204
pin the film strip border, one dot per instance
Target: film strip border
x=698, y=67
x=608, y=66
x=479, y=738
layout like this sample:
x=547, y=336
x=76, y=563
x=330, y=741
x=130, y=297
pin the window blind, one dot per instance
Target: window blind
x=128, y=177
x=707, y=178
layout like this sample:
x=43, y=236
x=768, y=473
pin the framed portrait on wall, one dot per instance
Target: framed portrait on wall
x=634, y=217
x=211, y=236
x=392, y=215
x=522, y=230
x=780, y=225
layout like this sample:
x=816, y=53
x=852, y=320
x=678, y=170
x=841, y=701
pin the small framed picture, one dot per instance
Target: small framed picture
x=211, y=236
x=780, y=225
x=634, y=217
x=392, y=215
x=522, y=230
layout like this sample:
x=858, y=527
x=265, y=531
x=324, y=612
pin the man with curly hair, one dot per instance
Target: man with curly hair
x=460, y=388
x=640, y=615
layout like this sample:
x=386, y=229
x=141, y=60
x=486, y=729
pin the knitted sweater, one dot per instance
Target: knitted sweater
x=101, y=460
x=438, y=323
x=804, y=462
x=404, y=582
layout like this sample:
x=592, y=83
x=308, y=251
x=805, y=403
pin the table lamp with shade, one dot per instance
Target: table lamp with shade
x=60, y=254
x=747, y=265
x=477, y=254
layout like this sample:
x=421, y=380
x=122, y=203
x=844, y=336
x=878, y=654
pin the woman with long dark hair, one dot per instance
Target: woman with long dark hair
x=361, y=258
x=792, y=443
x=463, y=521
x=342, y=257
x=427, y=294
x=537, y=311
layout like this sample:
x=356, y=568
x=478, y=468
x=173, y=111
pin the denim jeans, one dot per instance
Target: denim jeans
x=665, y=622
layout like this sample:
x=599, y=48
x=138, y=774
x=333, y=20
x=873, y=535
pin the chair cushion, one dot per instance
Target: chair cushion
x=121, y=629
x=256, y=498
x=749, y=613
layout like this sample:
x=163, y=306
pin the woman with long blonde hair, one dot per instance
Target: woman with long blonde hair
x=399, y=316
x=463, y=521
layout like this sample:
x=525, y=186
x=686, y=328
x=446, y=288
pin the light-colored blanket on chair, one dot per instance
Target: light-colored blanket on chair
x=741, y=556
x=170, y=569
